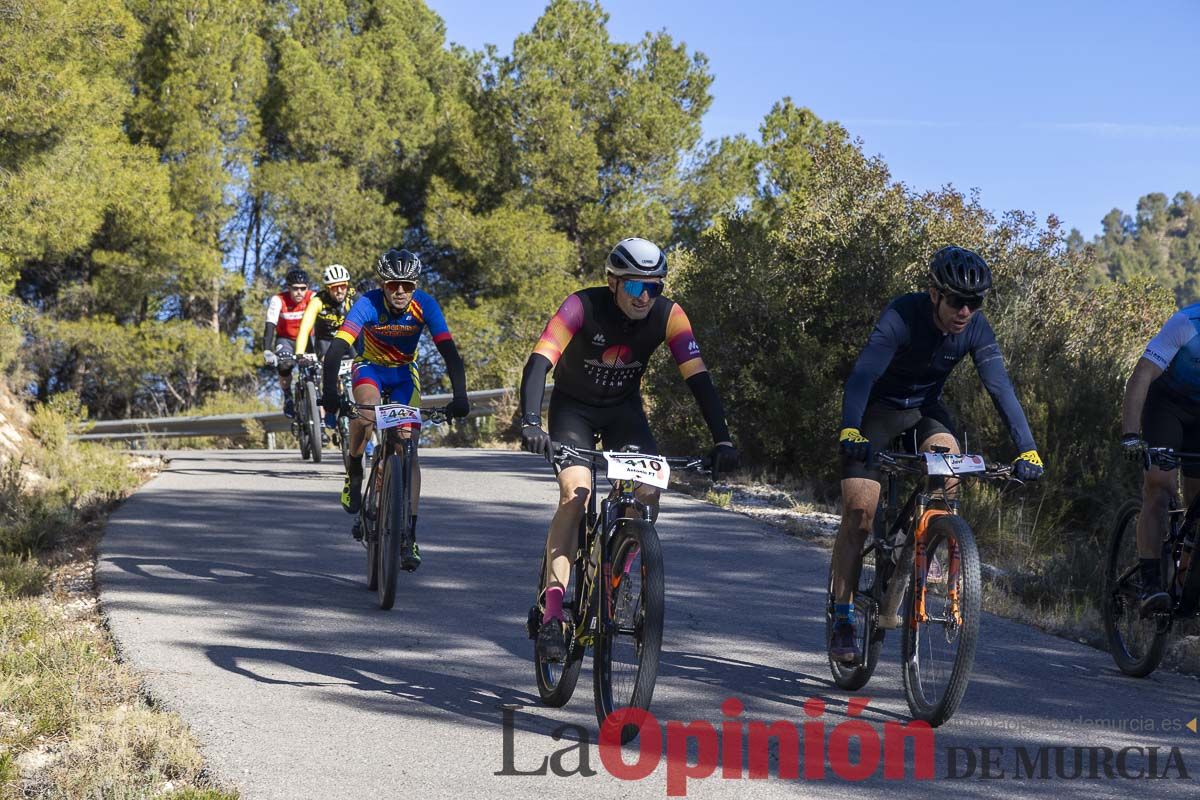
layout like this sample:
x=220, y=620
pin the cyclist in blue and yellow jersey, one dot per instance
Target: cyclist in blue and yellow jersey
x=383, y=328
x=896, y=388
x=1162, y=409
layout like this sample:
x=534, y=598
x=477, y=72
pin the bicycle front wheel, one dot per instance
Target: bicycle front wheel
x=630, y=629
x=392, y=526
x=313, y=423
x=300, y=424
x=1136, y=643
x=938, y=645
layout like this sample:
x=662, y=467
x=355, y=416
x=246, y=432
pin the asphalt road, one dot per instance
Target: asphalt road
x=231, y=582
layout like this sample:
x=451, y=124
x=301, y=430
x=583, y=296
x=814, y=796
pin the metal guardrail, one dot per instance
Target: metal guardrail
x=483, y=404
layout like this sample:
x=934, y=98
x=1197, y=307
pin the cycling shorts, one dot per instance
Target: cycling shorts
x=881, y=424
x=396, y=384
x=1170, y=420
x=575, y=423
x=285, y=351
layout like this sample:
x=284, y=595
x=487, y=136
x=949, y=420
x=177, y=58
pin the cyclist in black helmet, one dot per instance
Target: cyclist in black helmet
x=285, y=311
x=896, y=388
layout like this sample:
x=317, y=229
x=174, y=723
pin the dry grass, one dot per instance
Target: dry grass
x=74, y=721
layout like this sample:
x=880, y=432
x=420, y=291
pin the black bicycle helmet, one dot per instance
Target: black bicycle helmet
x=296, y=276
x=956, y=270
x=398, y=265
x=636, y=258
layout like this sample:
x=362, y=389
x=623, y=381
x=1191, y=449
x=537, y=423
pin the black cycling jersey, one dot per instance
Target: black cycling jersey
x=599, y=355
x=908, y=358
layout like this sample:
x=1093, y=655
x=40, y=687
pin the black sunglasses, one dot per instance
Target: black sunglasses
x=957, y=301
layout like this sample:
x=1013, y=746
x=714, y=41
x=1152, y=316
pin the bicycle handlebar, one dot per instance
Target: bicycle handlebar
x=561, y=452
x=434, y=416
x=914, y=463
x=1168, y=458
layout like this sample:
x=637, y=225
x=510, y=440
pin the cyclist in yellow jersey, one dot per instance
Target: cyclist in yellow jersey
x=326, y=311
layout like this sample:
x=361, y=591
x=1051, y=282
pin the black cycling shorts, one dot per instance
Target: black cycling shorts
x=882, y=424
x=1169, y=420
x=285, y=350
x=576, y=423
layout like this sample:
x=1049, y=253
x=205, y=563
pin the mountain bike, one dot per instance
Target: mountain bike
x=1137, y=643
x=307, y=396
x=919, y=572
x=614, y=599
x=386, y=513
x=345, y=398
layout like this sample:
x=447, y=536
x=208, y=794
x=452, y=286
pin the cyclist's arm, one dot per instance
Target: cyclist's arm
x=1160, y=352
x=274, y=307
x=306, y=324
x=681, y=339
x=990, y=365
x=888, y=336
x=558, y=333
x=454, y=366
x=1145, y=372
x=338, y=349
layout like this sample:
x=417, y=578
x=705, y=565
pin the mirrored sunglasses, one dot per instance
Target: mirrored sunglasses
x=635, y=288
x=395, y=286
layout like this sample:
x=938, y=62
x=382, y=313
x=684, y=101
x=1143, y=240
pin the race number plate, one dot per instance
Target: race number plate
x=951, y=464
x=346, y=367
x=393, y=414
x=641, y=468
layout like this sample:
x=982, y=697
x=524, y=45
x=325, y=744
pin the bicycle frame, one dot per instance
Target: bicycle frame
x=595, y=531
x=907, y=535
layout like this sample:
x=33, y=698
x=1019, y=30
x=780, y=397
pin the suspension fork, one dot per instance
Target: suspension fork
x=920, y=568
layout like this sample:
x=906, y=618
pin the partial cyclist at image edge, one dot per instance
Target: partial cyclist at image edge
x=1162, y=409
x=896, y=388
x=285, y=312
x=598, y=344
x=383, y=329
x=324, y=315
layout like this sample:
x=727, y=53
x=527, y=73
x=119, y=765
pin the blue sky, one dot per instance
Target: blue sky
x=1069, y=108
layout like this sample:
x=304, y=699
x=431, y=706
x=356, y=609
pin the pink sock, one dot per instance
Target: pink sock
x=554, y=598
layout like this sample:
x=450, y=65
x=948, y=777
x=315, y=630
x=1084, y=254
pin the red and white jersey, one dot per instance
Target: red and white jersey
x=286, y=315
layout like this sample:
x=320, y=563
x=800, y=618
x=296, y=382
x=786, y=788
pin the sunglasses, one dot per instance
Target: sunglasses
x=395, y=286
x=635, y=288
x=955, y=301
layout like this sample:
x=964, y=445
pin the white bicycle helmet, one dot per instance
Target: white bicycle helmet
x=636, y=258
x=335, y=273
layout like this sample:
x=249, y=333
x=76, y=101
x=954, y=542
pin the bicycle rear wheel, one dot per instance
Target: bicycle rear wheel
x=938, y=652
x=629, y=641
x=1136, y=643
x=392, y=525
x=299, y=424
x=556, y=680
x=853, y=677
x=313, y=421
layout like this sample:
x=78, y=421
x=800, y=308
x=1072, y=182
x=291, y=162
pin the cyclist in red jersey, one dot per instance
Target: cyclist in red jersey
x=598, y=344
x=285, y=311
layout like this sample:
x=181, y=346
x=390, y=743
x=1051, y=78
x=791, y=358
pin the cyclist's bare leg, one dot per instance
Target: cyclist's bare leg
x=360, y=426
x=1158, y=487
x=951, y=444
x=650, y=496
x=574, y=485
x=860, y=497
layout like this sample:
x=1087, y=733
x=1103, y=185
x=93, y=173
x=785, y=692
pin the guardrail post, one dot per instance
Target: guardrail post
x=270, y=440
